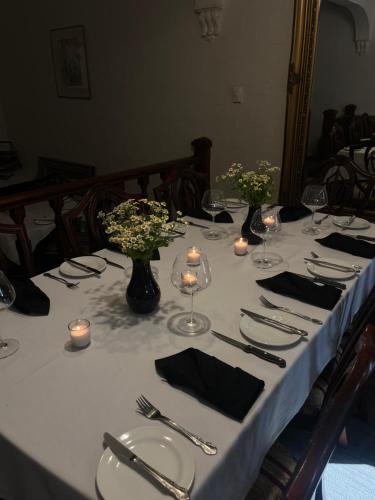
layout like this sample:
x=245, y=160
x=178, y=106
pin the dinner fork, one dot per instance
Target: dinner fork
x=69, y=284
x=148, y=410
x=269, y=304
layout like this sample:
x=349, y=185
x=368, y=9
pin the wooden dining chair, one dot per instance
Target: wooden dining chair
x=83, y=231
x=24, y=250
x=282, y=477
x=181, y=191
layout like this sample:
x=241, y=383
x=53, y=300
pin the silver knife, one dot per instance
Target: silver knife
x=315, y=279
x=329, y=265
x=276, y=324
x=83, y=267
x=114, y=264
x=197, y=225
x=365, y=238
x=126, y=456
x=267, y=356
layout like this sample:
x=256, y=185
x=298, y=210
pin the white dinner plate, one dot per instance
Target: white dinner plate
x=326, y=272
x=161, y=448
x=358, y=223
x=71, y=271
x=262, y=334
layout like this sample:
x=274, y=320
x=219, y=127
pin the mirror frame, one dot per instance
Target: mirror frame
x=300, y=79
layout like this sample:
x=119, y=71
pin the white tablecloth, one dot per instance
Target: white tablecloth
x=55, y=405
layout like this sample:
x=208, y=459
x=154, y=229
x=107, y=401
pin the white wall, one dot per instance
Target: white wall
x=156, y=84
x=341, y=75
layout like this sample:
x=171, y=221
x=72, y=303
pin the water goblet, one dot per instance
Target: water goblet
x=7, y=297
x=314, y=197
x=263, y=224
x=190, y=276
x=213, y=202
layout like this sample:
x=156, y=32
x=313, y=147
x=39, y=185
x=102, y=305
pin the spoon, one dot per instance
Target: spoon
x=356, y=267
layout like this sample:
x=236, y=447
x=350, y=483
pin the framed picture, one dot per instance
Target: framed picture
x=70, y=62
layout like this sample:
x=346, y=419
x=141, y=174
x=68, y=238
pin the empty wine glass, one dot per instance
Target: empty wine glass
x=213, y=202
x=314, y=197
x=263, y=224
x=190, y=275
x=7, y=297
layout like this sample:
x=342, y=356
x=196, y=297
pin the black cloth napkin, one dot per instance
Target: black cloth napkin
x=229, y=390
x=199, y=213
x=349, y=244
x=291, y=285
x=290, y=214
x=29, y=298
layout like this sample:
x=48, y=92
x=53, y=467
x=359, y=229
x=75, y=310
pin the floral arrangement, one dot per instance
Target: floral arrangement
x=253, y=186
x=139, y=227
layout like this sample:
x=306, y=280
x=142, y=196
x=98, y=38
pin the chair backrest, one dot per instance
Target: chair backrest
x=83, y=230
x=370, y=159
x=23, y=246
x=181, y=190
x=310, y=467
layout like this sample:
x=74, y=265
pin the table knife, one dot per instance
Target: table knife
x=365, y=238
x=127, y=456
x=197, y=225
x=276, y=324
x=83, y=267
x=114, y=264
x=315, y=279
x=329, y=265
x=267, y=356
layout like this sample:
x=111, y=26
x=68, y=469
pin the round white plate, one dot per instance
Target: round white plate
x=71, y=271
x=260, y=333
x=356, y=224
x=161, y=448
x=325, y=272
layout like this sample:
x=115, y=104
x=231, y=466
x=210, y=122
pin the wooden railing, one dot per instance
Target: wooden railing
x=15, y=204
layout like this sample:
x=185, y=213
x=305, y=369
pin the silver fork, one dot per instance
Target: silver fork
x=269, y=304
x=148, y=410
x=69, y=284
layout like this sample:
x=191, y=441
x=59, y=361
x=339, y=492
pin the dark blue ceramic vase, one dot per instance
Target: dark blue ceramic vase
x=143, y=292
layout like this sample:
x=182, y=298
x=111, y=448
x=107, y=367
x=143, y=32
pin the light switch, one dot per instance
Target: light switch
x=237, y=94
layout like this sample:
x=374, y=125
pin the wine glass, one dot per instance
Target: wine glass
x=190, y=274
x=314, y=197
x=263, y=224
x=7, y=297
x=213, y=202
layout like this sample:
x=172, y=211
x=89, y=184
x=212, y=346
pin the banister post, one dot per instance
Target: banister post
x=202, y=155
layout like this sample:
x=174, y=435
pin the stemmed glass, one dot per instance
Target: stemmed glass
x=7, y=297
x=191, y=273
x=314, y=197
x=263, y=224
x=213, y=202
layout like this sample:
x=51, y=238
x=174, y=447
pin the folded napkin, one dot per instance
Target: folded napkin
x=291, y=285
x=290, y=214
x=199, y=213
x=229, y=390
x=29, y=298
x=349, y=244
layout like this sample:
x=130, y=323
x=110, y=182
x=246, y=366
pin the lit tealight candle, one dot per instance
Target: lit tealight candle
x=193, y=256
x=188, y=278
x=240, y=246
x=269, y=220
x=79, y=331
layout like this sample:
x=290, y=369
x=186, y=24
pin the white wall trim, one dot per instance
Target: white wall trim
x=360, y=11
x=210, y=15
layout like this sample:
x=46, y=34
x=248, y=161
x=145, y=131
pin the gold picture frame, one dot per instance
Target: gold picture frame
x=301, y=67
x=70, y=62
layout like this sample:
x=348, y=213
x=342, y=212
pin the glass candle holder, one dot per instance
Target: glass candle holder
x=79, y=331
x=240, y=246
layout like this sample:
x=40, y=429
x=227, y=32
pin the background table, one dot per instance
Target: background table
x=55, y=404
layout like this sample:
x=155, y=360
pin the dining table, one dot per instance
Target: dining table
x=57, y=402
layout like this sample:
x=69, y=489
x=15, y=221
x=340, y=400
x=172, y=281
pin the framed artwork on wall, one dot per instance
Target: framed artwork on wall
x=70, y=62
